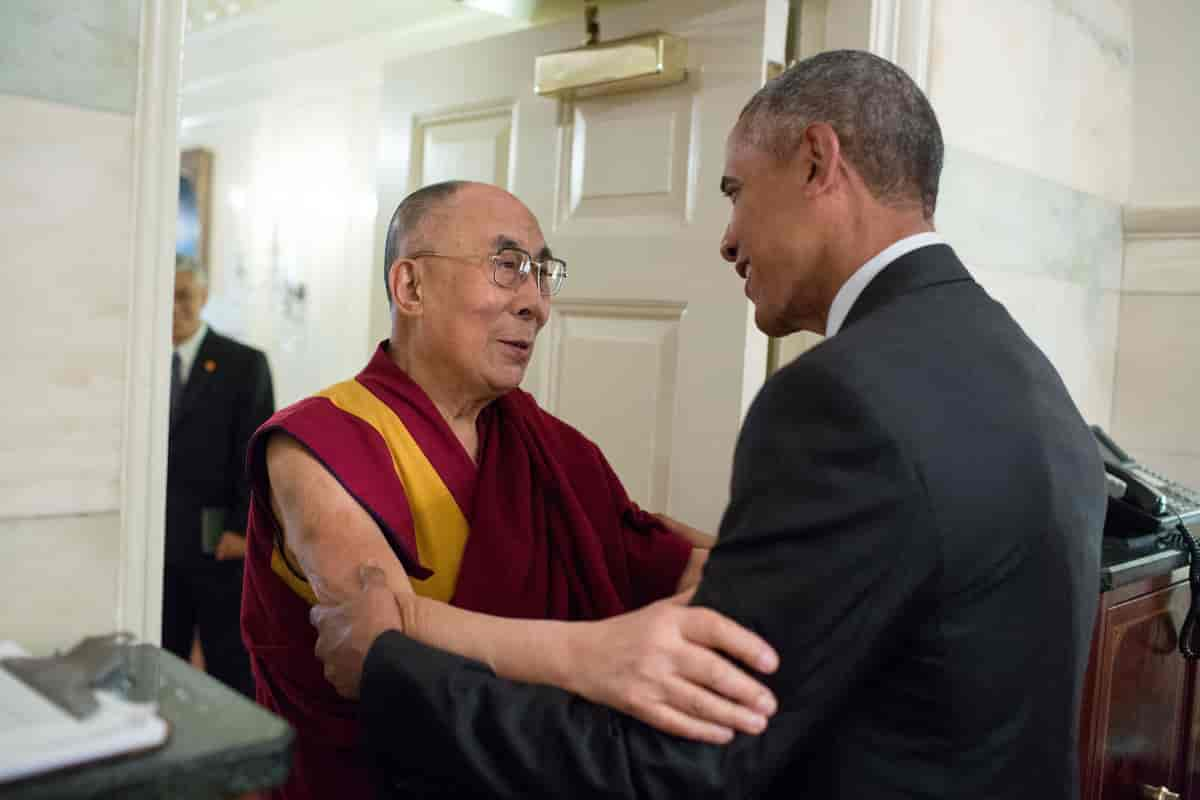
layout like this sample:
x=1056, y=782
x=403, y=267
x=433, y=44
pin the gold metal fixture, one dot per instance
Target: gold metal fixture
x=645, y=61
x=1158, y=793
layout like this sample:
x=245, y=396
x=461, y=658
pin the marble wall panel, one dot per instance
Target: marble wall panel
x=1006, y=218
x=1074, y=325
x=1042, y=85
x=60, y=579
x=1158, y=383
x=82, y=54
x=1169, y=266
x=65, y=239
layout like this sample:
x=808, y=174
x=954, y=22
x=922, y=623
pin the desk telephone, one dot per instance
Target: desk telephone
x=1140, y=501
x=1144, y=505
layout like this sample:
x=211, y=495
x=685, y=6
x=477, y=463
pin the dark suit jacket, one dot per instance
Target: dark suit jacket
x=206, y=456
x=915, y=524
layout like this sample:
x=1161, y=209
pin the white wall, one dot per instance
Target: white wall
x=1158, y=381
x=294, y=204
x=69, y=187
x=1166, y=104
x=295, y=145
x=1034, y=98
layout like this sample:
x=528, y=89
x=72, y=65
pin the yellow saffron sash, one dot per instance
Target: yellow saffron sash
x=440, y=526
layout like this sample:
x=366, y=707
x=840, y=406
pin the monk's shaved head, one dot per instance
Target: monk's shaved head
x=404, y=230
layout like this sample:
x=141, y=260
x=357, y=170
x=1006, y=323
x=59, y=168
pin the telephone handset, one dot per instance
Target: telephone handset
x=1135, y=492
x=1140, y=501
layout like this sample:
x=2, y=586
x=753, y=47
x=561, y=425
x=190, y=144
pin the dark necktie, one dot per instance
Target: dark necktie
x=176, y=384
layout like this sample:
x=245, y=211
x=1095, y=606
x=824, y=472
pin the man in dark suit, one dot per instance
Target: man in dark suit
x=914, y=523
x=220, y=393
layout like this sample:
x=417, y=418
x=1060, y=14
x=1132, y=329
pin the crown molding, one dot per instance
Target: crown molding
x=1161, y=222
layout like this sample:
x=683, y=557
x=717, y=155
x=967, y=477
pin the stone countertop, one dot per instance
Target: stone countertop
x=1121, y=564
x=220, y=744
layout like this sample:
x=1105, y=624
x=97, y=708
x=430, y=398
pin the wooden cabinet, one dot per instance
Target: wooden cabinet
x=1140, y=728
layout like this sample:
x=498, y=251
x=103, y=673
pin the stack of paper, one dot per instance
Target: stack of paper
x=37, y=736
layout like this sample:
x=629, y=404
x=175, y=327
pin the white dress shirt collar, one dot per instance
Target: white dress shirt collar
x=187, y=350
x=843, y=301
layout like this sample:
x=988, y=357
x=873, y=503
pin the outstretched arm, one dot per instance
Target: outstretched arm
x=666, y=670
x=826, y=543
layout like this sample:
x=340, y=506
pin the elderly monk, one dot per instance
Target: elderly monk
x=434, y=467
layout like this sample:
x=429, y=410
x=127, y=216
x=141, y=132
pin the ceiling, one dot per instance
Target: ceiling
x=228, y=35
x=236, y=49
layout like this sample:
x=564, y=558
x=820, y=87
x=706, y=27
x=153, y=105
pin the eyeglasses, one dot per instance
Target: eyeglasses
x=512, y=265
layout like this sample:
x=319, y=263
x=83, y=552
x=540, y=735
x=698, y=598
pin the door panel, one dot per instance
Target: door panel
x=467, y=145
x=650, y=349
x=624, y=358
x=605, y=191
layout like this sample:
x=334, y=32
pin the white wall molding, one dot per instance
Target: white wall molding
x=1161, y=222
x=152, y=275
x=900, y=32
x=357, y=61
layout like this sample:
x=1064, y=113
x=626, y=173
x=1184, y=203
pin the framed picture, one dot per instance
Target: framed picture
x=195, y=192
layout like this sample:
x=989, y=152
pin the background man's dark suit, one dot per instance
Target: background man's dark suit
x=227, y=395
x=915, y=525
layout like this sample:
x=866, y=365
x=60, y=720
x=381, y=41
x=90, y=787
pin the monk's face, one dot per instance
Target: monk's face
x=481, y=335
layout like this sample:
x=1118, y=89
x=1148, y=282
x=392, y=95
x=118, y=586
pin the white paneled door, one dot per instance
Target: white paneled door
x=650, y=349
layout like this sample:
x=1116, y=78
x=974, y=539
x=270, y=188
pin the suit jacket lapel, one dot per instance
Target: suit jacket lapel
x=924, y=267
x=204, y=370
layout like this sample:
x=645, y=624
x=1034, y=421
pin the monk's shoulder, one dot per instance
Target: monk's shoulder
x=562, y=432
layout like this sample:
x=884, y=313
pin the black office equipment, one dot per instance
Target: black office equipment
x=1149, y=510
x=1149, y=503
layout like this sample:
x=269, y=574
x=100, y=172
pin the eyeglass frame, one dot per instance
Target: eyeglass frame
x=527, y=264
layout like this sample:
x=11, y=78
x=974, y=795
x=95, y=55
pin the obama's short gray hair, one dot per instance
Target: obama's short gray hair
x=885, y=124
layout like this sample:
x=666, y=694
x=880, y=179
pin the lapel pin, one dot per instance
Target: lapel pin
x=210, y=366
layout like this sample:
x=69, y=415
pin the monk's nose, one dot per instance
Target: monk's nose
x=531, y=303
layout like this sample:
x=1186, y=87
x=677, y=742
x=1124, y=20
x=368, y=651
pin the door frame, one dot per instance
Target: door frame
x=151, y=289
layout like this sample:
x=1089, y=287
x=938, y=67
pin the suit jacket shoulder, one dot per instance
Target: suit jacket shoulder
x=219, y=346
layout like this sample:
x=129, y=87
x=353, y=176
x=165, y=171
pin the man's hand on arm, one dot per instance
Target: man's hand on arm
x=347, y=631
x=667, y=664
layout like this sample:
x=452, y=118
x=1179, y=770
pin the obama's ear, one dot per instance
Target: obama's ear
x=825, y=153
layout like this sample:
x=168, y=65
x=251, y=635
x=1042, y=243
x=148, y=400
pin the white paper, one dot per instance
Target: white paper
x=37, y=736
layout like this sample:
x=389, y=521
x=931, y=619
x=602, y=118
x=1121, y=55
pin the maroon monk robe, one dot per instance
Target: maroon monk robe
x=553, y=535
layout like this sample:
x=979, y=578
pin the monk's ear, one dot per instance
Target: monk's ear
x=404, y=282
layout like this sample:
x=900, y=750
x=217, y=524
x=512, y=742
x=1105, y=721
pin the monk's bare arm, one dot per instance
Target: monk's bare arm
x=330, y=535
x=660, y=665
x=325, y=531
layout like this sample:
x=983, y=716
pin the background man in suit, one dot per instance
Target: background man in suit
x=220, y=393
x=915, y=516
